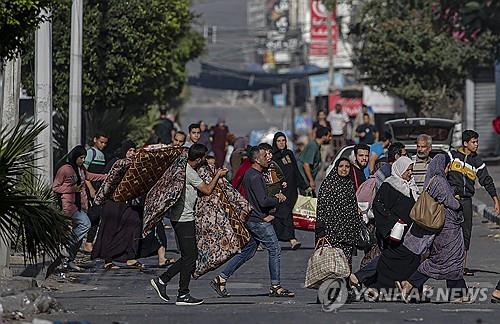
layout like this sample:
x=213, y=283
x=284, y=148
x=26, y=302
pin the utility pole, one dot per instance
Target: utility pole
x=9, y=117
x=11, y=87
x=43, y=98
x=292, y=107
x=330, y=11
x=75, y=76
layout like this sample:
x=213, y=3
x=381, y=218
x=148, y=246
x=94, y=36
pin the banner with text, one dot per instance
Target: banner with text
x=319, y=30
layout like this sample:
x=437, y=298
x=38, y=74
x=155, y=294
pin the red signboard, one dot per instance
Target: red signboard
x=352, y=106
x=319, y=30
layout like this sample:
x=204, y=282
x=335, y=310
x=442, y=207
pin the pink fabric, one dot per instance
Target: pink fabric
x=64, y=182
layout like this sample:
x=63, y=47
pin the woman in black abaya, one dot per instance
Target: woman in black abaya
x=120, y=227
x=283, y=222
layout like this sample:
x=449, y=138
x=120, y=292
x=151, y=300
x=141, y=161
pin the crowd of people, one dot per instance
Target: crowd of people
x=270, y=178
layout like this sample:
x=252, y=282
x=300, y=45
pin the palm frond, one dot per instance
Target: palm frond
x=27, y=205
x=44, y=225
x=17, y=148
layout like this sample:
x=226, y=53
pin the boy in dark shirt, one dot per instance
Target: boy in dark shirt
x=466, y=166
x=366, y=132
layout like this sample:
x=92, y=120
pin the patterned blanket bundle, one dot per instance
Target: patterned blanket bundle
x=161, y=173
x=148, y=166
x=112, y=181
x=220, y=228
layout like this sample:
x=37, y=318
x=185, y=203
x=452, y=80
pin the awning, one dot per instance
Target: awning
x=215, y=77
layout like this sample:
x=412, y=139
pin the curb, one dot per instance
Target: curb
x=486, y=212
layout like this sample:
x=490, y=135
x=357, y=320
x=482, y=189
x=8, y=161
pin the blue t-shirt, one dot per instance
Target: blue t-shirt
x=367, y=172
x=377, y=148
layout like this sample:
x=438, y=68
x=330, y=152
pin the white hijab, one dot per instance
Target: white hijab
x=405, y=187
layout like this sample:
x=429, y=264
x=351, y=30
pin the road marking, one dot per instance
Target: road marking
x=475, y=310
x=364, y=310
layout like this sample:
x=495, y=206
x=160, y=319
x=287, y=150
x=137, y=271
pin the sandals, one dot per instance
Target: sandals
x=404, y=293
x=167, y=263
x=136, y=265
x=356, y=286
x=468, y=272
x=296, y=246
x=219, y=286
x=278, y=291
x=111, y=266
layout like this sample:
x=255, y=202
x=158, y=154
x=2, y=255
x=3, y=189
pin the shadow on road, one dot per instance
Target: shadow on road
x=483, y=271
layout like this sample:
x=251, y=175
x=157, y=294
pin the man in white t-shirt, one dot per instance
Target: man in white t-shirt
x=182, y=219
x=338, y=120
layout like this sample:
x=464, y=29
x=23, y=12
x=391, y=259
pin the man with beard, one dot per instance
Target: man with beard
x=183, y=222
x=361, y=157
x=422, y=160
x=179, y=139
x=260, y=227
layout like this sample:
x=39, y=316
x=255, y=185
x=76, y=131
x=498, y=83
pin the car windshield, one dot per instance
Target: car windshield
x=410, y=132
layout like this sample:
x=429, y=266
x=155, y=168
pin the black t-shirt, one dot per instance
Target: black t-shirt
x=369, y=131
x=164, y=131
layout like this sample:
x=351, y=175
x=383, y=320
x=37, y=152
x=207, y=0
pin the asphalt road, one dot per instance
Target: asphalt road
x=125, y=296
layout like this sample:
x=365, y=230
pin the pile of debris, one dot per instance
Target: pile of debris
x=21, y=298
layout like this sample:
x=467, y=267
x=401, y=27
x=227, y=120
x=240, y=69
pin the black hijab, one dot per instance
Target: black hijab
x=73, y=155
x=126, y=145
x=277, y=153
x=337, y=164
x=338, y=209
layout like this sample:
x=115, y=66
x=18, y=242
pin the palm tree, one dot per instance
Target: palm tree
x=28, y=211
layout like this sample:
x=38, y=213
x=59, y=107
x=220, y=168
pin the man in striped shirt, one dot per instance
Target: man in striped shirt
x=422, y=160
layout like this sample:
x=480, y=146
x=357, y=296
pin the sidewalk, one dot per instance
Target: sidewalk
x=482, y=200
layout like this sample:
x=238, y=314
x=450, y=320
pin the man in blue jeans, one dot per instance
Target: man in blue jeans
x=259, y=225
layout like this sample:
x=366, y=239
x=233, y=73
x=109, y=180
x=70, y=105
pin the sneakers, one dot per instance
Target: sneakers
x=188, y=300
x=184, y=300
x=160, y=288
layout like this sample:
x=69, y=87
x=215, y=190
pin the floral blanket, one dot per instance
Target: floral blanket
x=220, y=229
x=112, y=181
x=164, y=193
x=220, y=217
x=148, y=165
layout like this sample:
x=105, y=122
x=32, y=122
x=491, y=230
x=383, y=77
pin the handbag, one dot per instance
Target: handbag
x=366, y=237
x=326, y=262
x=304, y=213
x=427, y=212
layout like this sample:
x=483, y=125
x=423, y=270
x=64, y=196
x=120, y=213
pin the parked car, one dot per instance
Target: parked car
x=407, y=130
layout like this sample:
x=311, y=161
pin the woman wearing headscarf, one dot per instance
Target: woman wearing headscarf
x=205, y=136
x=237, y=181
x=219, y=138
x=447, y=254
x=120, y=227
x=391, y=207
x=69, y=183
x=337, y=213
x=240, y=146
x=285, y=159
